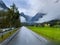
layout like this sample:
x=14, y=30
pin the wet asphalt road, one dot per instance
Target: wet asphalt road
x=27, y=37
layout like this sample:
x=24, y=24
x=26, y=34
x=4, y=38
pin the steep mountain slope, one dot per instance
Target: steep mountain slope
x=2, y=5
x=37, y=16
x=31, y=20
x=27, y=18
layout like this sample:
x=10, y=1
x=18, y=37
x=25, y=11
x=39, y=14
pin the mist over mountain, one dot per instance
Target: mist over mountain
x=37, y=16
x=31, y=20
x=52, y=8
x=27, y=18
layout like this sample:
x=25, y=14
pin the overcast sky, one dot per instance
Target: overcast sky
x=31, y=7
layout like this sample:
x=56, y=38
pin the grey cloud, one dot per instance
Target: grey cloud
x=53, y=11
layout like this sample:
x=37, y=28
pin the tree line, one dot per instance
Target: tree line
x=10, y=18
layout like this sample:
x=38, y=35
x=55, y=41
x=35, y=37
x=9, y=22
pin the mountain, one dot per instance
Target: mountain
x=2, y=5
x=37, y=16
x=30, y=20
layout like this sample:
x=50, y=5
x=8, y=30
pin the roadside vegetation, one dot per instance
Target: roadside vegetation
x=9, y=19
x=7, y=34
x=50, y=33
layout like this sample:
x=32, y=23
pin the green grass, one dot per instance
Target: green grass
x=7, y=35
x=47, y=32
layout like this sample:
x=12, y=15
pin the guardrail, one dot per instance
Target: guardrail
x=6, y=35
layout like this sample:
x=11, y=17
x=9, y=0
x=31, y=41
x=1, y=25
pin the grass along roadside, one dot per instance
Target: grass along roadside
x=7, y=35
x=47, y=32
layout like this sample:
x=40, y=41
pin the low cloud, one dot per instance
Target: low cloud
x=31, y=7
x=53, y=11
